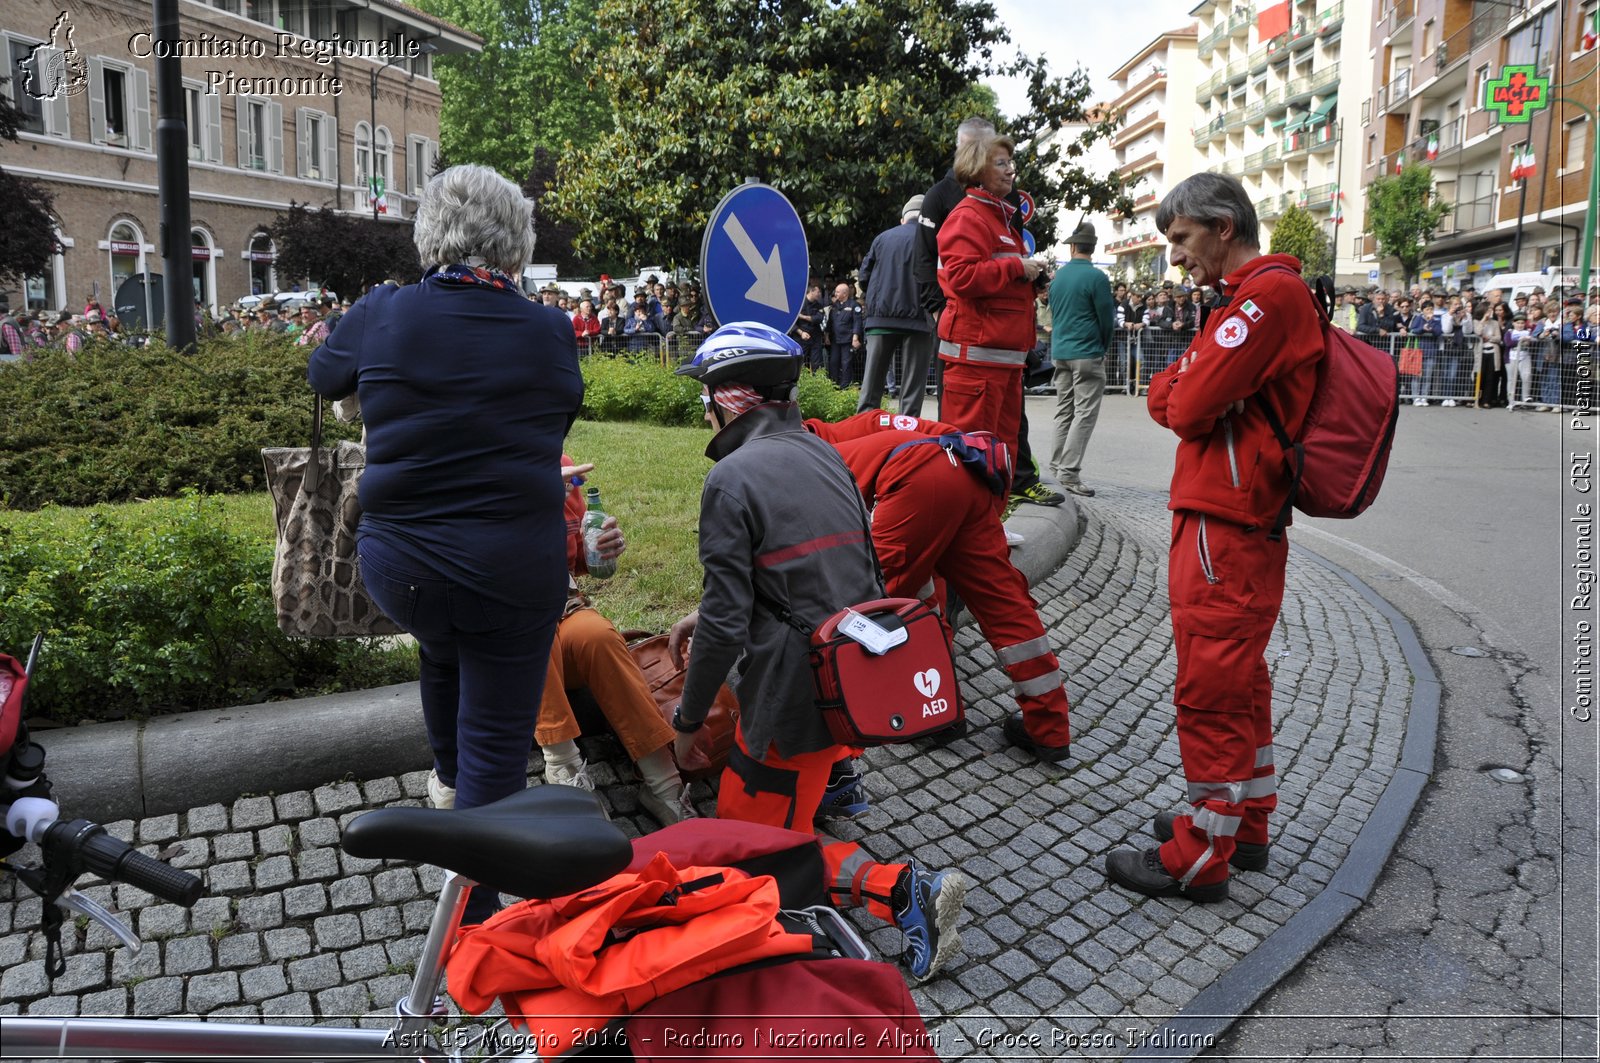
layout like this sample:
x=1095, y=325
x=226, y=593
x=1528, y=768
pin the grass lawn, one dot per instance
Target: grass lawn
x=648, y=476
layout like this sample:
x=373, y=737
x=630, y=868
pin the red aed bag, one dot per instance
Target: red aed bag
x=908, y=692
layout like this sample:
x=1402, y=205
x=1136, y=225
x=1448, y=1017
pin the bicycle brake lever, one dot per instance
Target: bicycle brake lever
x=76, y=902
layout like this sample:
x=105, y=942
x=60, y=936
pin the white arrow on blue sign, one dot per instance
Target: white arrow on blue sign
x=753, y=258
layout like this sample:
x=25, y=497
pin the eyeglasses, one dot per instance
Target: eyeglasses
x=1004, y=165
x=705, y=400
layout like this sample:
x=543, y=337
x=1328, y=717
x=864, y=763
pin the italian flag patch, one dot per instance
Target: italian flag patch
x=1250, y=310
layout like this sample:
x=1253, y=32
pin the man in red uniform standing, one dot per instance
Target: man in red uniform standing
x=932, y=517
x=1226, y=567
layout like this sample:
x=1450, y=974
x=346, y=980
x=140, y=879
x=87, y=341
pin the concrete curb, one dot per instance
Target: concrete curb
x=137, y=769
x=1217, y=1007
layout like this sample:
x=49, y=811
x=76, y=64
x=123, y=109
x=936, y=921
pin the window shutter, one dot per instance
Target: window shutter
x=302, y=141
x=97, y=101
x=140, y=138
x=241, y=116
x=213, y=109
x=330, y=147
x=57, y=121
x=275, y=137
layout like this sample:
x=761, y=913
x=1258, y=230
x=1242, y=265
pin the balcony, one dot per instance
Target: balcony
x=1298, y=89
x=1232, y=118
x=1446, y=141
x=1297, y=143
x=1325, y=79
x=1239, y=22
x=1395, y=92
x=1231, y=167
x=1275, y=101
x=1330, y=20
x=1302, y=34
x=1139, y=127
x=1396, y=17
x=1208, y=44
x=1325, y=137
x=1318, y=197
x=1130, y=244
x=1255, y=112
x=1460, y=45
x=1238, y=70
x=1255, y=162
x=1270, y=208
x=1139, y=165
x=1468, y=217
x=1258, y=60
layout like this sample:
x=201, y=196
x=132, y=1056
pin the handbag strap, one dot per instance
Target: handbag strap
x=313, y=474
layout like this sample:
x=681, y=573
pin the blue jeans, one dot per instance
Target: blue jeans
x=483, y=666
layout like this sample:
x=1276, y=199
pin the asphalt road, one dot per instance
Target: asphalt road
x=1480, y=937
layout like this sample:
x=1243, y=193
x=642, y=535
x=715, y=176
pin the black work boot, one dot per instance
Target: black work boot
x=1247, y=856
x=1144, y=873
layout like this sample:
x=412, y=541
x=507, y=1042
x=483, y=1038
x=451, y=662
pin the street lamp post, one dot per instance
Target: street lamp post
x=425, y=48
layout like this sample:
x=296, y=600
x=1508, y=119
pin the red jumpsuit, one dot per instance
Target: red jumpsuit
x=987, y=327
x=1225, y=574
x=932, y=517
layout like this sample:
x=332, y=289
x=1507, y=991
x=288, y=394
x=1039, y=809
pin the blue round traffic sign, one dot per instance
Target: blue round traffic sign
x=753, y=258
x=1028, y=242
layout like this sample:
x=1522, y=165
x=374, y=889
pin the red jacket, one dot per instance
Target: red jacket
x=1266, y=340
x=585, y=326
x=866, y=440
x=989, y=318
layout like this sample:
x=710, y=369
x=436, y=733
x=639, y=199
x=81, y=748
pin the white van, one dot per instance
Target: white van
x=1513, y=284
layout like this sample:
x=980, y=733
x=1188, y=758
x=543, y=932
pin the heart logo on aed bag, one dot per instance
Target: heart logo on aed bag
x=927, y=682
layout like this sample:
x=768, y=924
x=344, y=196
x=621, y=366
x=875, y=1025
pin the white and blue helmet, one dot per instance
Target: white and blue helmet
x=745, y=352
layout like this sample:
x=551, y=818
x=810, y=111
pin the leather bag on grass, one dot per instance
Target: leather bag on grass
x=316, y=576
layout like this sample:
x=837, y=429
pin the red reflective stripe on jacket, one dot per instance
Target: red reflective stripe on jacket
x=810, y=546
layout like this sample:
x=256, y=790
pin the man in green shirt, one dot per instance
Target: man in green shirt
x=1082, y=319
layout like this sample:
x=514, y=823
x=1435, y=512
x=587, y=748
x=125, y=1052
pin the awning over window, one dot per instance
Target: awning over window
x=1295, y=122
x=1319, y=113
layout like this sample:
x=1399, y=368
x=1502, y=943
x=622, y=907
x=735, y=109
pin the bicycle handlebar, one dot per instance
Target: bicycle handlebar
x=115, y=860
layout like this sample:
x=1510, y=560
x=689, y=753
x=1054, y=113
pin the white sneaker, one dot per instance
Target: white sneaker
x=1448, y=402
x=1014, y=540
x=1419, y=402
x=576, y=774
x=667, y=810
x=440, y=795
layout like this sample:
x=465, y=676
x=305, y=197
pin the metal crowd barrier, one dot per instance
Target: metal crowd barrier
x=1545, y=374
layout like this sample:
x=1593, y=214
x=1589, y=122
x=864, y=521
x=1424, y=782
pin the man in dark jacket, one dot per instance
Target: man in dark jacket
x=845, y=332
x=1378, y=320
x=896, y=323
x=783, y=527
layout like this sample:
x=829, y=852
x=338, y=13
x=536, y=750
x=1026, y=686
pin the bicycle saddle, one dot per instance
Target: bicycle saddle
x=547, y=841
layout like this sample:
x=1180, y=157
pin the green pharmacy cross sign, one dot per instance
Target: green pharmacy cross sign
x=1517, y=93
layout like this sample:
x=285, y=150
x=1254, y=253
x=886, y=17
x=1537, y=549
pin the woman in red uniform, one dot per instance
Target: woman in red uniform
x=987, y=326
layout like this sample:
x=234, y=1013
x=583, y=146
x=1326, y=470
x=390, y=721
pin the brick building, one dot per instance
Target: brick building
x=286, y=100
x=1435, y=61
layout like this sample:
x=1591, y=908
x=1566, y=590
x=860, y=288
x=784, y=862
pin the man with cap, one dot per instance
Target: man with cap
x=1347, y=313
x=1084, y=318
x=896, y=322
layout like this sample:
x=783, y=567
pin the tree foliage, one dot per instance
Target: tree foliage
x=524, y=90
x=848, y=107
x=342, y=252
x=1403, y=210
x=28, y=237
x=553, y=236
x=1298, y=233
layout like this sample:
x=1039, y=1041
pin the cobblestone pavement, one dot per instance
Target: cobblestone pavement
x=1055, y=963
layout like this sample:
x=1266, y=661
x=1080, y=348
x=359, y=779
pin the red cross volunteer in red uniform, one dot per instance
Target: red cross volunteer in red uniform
x=931, y=517
x=1225, y=570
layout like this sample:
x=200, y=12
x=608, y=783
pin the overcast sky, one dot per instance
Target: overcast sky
x=1100, y=37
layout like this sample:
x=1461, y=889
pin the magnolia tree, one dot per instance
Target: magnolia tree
x=848, y=107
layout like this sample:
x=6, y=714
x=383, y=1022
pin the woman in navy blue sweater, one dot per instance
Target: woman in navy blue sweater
x=467, y=390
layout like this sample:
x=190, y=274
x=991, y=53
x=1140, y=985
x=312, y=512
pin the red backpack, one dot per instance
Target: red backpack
x=1342, y=452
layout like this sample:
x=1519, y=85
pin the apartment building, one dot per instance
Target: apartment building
x=1277, y=85
x=325, y=102
x=1098, y=158
x=1436, y=61
x=1154, y=88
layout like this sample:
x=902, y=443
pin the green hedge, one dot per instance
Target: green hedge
x=161, y=608
x=121, y=423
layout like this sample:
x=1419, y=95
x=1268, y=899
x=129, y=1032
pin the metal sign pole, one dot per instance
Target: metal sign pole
x=172, y=176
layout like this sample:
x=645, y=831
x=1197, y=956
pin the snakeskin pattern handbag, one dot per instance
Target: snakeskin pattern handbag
x=316, y=576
